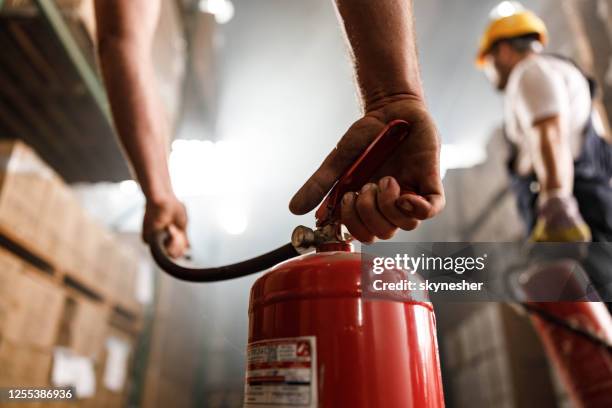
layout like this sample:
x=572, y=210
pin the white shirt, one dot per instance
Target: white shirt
x=541, y=87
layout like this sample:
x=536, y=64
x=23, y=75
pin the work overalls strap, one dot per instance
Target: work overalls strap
x=592, y=178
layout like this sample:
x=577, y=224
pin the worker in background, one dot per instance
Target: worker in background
x=560, y=164
x=382, y=40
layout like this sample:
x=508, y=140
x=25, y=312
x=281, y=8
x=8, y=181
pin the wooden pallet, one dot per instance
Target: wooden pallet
x=127, y=316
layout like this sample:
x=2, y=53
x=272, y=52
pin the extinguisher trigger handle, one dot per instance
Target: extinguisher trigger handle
x=362, y=170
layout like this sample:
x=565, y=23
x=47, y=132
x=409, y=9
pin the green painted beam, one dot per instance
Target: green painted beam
x=90, y=79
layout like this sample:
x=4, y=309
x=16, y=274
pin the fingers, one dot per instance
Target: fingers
x=172, y=218
x=177, y=243
x=374, y=213
x=419, y=207
x=352, y=221
x=386, y=200
x=354, y=141
x=370, y=215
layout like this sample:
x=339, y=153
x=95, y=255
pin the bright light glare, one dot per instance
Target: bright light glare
x=506, y=9
x=203, y=168
x=223, y=10
x=128, y=187
x=214, y=171
x=232, y=217
x=460, y=156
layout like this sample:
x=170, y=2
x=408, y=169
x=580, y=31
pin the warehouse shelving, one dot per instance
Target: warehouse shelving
x=51, y=95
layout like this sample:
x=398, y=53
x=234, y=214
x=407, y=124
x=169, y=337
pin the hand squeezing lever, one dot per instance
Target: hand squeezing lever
x=328, y=224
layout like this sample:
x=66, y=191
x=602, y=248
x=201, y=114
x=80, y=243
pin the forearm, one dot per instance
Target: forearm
x=383, y=43
x=125, y=60
x=553, y=159
x=140, y=125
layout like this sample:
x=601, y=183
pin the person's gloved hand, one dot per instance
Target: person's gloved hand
x=404, y=191
x=169, y=215
x=559, y=220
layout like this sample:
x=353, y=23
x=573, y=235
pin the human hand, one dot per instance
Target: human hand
x=404, y=191
x=559, y=220
x=167, y=215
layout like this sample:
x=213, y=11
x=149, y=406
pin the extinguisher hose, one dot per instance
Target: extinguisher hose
x=562, y=323
x=220, y=273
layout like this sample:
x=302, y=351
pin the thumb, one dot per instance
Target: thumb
x=352, y=144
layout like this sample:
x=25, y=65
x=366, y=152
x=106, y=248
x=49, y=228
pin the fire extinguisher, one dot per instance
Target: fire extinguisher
x=576, y=335
x=314, y=340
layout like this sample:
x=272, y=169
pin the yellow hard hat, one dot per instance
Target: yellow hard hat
x=510, y=20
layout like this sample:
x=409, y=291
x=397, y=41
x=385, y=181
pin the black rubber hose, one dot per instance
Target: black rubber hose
x=220, y=273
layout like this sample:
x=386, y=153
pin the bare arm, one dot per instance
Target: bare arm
x=125, y=36
x=559, y=218
x=125, y=33
x=383, y=42
x=407, y=188
x=552, y=157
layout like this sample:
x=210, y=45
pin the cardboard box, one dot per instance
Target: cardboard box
x=58, y=232
x=74, y=235
x=32, y=307
x=10, y=267
x=23, y=365
x=105, y=398
x=125, y=279
x=91, y=235
x=24, y=183
x=106, y=265
x=84, y=326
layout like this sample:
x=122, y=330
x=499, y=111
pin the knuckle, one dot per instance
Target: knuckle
x=409, y=225
x=387, y=207
x=359, y=233
x=386, y=234
x=365, y=204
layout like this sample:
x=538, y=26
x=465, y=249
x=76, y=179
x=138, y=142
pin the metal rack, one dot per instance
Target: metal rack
x=52, y=97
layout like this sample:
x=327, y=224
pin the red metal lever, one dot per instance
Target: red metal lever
x=362, y=170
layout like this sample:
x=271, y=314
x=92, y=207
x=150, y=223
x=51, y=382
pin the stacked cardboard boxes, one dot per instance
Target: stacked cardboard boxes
x=30, y=307
x=36, y=316
x=496, y=360
x=40, y=213
x=105, y=397
x=24, y=186
x=83, y=327
x=70, y=303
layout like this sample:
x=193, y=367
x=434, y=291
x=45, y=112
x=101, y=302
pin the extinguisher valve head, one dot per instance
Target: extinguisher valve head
x=304, y=239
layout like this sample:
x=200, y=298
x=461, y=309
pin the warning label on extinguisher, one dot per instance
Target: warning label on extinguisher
x=281, y=372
